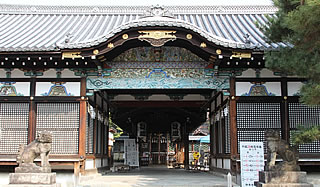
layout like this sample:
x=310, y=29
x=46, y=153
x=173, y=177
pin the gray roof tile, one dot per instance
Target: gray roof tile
x=43, y=28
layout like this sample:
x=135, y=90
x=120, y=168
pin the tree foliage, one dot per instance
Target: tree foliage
x=304, y=135
x=297, y=24
x=117, y=131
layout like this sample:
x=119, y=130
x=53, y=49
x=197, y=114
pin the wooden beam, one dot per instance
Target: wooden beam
x=153, y=104
x=32, y=112
x=83, y=123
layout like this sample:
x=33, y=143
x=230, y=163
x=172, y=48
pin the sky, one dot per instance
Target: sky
x=136, y=2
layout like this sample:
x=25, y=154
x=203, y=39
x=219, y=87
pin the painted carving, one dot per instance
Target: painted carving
x=58, y=89
x=157, y=38
x=277, y=146
x=158, y=72
x=9, y=90
x=258, y=89
x=27, y=154
x=157, y=83
x=150, y=55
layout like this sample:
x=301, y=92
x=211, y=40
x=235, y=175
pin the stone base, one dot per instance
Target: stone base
x=32, y=185
x=32, y=168
x=284, y=185
x=283, y=179
x=32, y=178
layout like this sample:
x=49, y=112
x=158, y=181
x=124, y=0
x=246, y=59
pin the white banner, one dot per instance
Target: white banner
x=252, y=161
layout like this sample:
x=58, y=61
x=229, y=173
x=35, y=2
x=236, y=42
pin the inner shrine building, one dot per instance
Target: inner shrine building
x=157, y=72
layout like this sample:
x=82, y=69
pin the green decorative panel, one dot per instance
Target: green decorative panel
x=157, y=83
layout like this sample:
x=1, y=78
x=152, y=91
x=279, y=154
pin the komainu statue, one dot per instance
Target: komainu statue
x=288, y=154
x=41, y=146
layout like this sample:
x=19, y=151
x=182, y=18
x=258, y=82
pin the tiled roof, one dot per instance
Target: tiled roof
x=51, y=28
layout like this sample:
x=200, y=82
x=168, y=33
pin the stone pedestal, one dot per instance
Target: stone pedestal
x=32, y=168
x=283, y=179
x=32, y=178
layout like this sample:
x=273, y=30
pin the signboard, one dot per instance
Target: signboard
x=196, y=155
x=131, y=152
x=252, y=161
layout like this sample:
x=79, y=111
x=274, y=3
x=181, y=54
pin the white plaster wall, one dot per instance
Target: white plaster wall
x=219, y=163
x=267, y=73
x=105, y=162
x=98, y=162
x=248, y=73
x=66, y=73
x=274, y=87
x=89, y=164
x=23, y=88
x=226, y=164
x=51, y=73
x=2, y=73
x=294, y=87
x=159, y=97
x=193, y=97
x=16, y=73
x=264, y=73
x=124, y=97
x=213, y=162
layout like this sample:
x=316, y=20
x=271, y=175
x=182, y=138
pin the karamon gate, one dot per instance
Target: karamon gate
x=158, y=73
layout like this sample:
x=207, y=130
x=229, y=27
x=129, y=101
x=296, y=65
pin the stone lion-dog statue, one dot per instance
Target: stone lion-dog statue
x=277, y=146
x=41, y=146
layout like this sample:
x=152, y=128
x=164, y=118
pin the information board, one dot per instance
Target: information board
x=131, y=152
x=252, y=161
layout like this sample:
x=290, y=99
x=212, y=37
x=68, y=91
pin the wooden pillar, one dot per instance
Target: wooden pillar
x=32, y=111
x=83, y=123
x=95, y=124
x=186, y=147
x=284, y=108
x=212, y=143
x=233, y=125
x=159, y=146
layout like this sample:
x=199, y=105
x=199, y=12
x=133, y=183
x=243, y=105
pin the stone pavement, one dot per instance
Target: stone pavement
x=314, y=178
x=156, y=177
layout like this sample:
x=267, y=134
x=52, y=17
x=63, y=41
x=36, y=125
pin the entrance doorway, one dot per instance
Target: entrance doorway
x=160, y=122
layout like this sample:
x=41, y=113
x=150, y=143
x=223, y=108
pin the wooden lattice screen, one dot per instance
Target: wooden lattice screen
x=13, y=126
x=89, y=135
x=254, y=118
x=62, y=119
x=306, y=116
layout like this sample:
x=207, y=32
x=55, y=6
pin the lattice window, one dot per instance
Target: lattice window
x=89, y=135
x=62, y=119
x=300, y=114
x=13, y=126
x=306, y=116
x=254, y=118
x=258, y=115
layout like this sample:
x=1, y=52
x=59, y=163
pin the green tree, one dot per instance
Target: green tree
x=117, y=131
x=297, y=24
